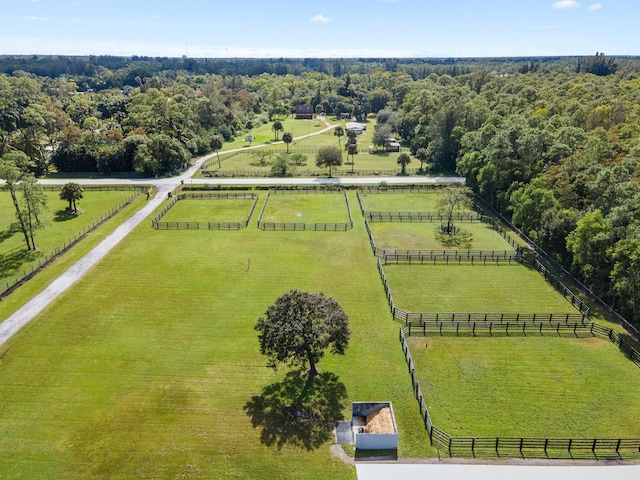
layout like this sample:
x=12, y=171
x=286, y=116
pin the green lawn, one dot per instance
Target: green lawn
x=149, y=365
x=60, y=227
x=422, y=236
x=401, y=202
x=209, y=210
x=528, y=386
x=306, y=208
x=479, y=288
x=264, y=134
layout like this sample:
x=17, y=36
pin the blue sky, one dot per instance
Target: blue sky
x=327, y=28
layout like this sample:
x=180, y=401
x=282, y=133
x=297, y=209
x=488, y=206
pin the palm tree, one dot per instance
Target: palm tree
x=422, y=154
x=276, y=127
x=403, y=161
x=287, y=137
x=352, y=149
x=216, y=145
x=339, y=132
x=71, y=192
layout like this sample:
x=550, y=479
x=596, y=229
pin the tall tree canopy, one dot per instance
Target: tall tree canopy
x=299, y=327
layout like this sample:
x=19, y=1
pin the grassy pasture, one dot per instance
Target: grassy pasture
x=60, y=227
x=478, y=288
x=303, y=208
x=149, y=366
x=264, y=134
x=528, y=386
x=404, y=202
x=422, y=236
x=209, y=210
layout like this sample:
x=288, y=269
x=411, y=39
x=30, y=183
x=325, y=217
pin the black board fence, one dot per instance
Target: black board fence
x=22, y=277
x=632, y=329
x=524, y=447
x=299, y=226
x=158, y=225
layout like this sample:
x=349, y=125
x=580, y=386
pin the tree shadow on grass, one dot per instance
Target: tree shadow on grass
x=298, y=411
x=9, y=232
x=12, y=262
x=64, y=215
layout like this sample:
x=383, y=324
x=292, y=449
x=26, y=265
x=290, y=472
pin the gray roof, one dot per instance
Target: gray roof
x=377, y=471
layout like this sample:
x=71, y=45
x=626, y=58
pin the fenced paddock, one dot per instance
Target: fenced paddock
x=306, y=209
x=466, y=288
x=229, y=205
x=549, y=394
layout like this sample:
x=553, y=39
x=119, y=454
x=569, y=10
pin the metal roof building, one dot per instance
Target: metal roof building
x=378, y=471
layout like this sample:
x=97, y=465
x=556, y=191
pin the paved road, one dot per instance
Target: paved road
x=164, y=185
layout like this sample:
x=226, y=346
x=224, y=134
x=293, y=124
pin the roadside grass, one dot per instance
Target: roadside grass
x=306, y=208
x=60, y=228
x=149, y=366
x=25, y=292
x=540, y=386
x=479, y=288
x=423, y=236
x=402, y=202
x=209, y=210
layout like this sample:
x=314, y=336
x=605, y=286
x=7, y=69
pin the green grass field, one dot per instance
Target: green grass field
x=59, y=229
x=405, y=202
x=264, y=134
x=149, y=366
x=422, y=236
x=209, y=210
x=306, y=208
x=528, y=386
x=479, y=288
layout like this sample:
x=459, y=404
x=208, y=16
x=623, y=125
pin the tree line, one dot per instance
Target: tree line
x=553, y=144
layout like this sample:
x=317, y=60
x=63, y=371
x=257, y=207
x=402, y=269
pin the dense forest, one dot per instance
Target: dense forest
x=551, y=143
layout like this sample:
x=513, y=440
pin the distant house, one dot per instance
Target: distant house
x=305, y=112
x=392, y=145
x=356, y=127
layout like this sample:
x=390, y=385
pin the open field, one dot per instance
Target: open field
x=209, y=210
x=479, y=288
x=165, y=378
x=264, y=134
x=60, y=227
x=422, y=236
x=306, y=208
x=404, y=202
x=528, y=386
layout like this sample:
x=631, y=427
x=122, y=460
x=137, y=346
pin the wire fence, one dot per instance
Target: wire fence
x=158, y=225
x=19, y=279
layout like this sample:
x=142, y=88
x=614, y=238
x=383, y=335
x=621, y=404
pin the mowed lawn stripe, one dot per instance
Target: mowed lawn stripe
x=153, y=355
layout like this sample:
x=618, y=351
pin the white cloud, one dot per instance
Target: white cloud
x=566, y=5
x=320, y=19
x=595, y=7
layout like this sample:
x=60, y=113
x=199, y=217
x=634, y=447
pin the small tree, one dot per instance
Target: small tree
x=71, y=192
x=299, y=327
x=404, y=160
x=329, y=157
x=277, y=127
x=287, y=137
x=282, y=166
x=352, y=149
x=453, y=199
x=216, y=146
x=422, y=154
x=339, y=132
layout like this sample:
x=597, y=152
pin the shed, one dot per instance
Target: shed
x=374, y=426
x=304, y=112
